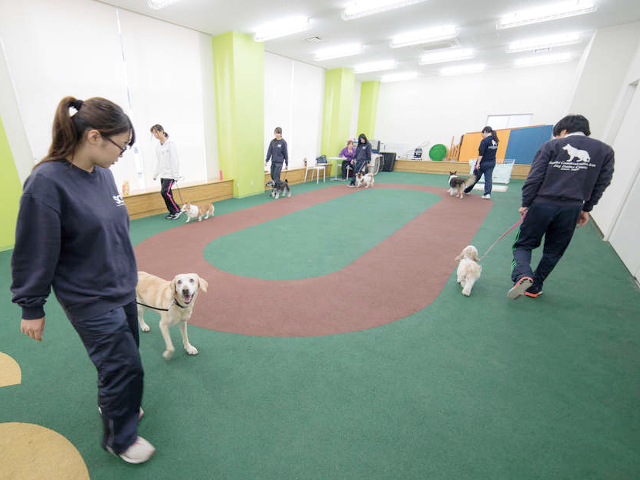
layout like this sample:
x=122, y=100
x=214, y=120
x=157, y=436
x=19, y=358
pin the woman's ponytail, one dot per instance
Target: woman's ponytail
x=95, y=113
x=493, y=133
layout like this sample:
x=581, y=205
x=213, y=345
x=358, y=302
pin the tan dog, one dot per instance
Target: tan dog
x=177, y=297
x=197, y=210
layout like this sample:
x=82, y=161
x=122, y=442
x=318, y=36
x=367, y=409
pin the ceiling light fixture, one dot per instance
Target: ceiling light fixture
x=547, y=13
x=428, y=35
x=158, y=4
x=282, y=28
x=463, y=69
x=542, y=60
x=397, y=77
x=362, y=8
x=338, y=52
x=447, y=55
x=541, y=43
x=375, y=66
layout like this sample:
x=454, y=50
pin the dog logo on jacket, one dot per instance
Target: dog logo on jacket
x=278, y=188
x=366, y=180
x=197, y=210
x=468, y=268
x=458, y=184
x=579, y=155
x=177, y=297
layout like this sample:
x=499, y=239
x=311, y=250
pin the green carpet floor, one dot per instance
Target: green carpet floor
x=468, y=388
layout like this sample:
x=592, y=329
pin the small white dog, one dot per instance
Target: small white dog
x=468, y=268
x=197, y=210
x=177, y=297
x=367, y=180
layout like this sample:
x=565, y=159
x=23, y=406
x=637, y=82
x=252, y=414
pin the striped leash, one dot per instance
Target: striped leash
x=503, y=235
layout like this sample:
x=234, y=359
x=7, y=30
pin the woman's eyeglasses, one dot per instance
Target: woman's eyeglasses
x=122, y=149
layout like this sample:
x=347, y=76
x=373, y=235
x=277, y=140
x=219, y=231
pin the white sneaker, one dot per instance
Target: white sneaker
x=488, y=195
x=139, y=452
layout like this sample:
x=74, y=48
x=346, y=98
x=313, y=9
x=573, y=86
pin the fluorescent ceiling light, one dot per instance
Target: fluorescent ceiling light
x=282, y=28
x=362, y=8
x=338, y=52
x=462, y=69
x=375, y=66
x=544, y=42
x=542, y=60
x=428, y=35
x=447, y=55
x=397, y=77
x=547, y=13
x=158, y=4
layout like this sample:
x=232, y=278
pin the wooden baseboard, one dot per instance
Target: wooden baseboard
x=151, y=203
x=428, y=166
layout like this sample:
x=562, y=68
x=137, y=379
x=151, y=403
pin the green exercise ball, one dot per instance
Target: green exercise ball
x=437, y=152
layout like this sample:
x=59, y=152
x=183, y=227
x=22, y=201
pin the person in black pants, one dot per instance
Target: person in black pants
x=362, y=157
x=72, y=234
x=568, y=176
x=278, y=155
x=486, y=161
x=167, y=169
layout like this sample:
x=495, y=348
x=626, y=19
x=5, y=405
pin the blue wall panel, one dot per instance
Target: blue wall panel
x=525, y=142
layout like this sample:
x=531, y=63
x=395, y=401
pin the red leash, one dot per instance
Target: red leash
x=503, y=235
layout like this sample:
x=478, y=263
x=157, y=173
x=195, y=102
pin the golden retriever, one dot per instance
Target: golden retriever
x=177, y=297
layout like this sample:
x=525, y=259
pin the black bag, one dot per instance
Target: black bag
x=321, y=159
x=389, y=159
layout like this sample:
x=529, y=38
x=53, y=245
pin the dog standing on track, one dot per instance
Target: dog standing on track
x=458, y=184
x=177, y=297
x=197, y=210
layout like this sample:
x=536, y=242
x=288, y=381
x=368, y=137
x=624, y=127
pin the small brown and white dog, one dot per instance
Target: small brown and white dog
x=458, y=184
x=197, y=210
x=468, y=268
x=367, y=180
x=176, y=296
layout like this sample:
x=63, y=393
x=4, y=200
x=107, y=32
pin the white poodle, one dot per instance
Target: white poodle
x=468, y=268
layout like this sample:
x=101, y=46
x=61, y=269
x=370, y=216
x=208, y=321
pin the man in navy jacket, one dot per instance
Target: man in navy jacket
x=568, y=176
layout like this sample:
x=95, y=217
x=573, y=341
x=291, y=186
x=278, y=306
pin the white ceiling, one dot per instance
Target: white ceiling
x=475, y=20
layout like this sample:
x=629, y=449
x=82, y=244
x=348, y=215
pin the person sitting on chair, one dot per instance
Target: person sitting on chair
x=348, y=153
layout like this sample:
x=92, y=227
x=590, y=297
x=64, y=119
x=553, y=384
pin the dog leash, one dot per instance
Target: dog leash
x=161, y=309
x=179, y=192
x=503, y=235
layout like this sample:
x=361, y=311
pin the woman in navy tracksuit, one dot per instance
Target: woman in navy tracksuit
x=362, y=157
x=486, y=161
x=73, y=235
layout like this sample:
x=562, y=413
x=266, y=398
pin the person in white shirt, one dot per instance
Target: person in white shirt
x=167, y=169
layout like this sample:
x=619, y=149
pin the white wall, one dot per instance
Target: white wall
x=164, y=74
x=622, y=134
x=355, y=110
x=73, y=47
x=607, y=58
x=435, y=109
x=293, y=99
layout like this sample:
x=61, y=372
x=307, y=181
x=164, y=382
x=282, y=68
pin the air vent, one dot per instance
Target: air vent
x=313, y=39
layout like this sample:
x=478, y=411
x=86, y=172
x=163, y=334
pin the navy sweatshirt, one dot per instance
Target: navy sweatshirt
x=572, y=170
x=72, y=235
x=487, y=149
x=277, y=152
x=363, y=152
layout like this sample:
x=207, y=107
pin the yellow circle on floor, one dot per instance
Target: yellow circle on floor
x=31, y=452
x=10, y=373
